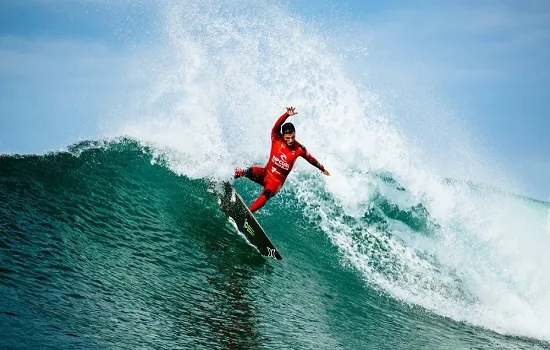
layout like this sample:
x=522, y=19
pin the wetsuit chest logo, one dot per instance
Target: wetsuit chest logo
x=281, y=162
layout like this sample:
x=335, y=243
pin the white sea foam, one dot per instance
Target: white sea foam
x=211, y=89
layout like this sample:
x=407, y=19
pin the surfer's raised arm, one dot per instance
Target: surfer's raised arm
x=276, y=131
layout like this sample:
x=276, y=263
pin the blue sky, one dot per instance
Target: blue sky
x=487, y=61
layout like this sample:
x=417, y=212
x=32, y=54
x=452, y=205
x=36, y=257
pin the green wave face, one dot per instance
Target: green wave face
x=103, y=246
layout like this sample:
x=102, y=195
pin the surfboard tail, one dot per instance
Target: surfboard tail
x=233, y=206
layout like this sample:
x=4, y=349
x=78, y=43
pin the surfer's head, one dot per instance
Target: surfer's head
x=289, y=133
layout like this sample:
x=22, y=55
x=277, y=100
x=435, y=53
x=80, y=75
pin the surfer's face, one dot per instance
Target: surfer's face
x=289, y=139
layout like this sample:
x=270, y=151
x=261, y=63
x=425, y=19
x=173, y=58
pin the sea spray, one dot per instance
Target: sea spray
x=222, y=74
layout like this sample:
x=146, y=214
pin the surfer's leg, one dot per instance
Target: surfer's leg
x=254, y=173
x=270, y=189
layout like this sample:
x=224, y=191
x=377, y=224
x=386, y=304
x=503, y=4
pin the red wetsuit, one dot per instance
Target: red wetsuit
x=280, y=163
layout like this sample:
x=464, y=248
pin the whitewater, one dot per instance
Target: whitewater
x=447, y=248
x=223, y=77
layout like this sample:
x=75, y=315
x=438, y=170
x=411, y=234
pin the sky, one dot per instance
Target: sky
x=485, y=63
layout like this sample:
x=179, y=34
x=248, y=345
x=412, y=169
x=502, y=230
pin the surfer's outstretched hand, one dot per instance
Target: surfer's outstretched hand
x=291, y=111
x=326, y=172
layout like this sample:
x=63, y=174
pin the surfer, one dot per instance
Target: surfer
x=284, y=152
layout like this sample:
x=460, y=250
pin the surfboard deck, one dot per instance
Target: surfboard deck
x=233, y=206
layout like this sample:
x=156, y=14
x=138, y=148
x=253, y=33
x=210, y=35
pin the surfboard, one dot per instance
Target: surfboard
x=233, y=206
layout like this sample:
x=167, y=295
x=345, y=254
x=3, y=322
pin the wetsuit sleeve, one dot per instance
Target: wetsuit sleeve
x=276, y=131
x=312, y=159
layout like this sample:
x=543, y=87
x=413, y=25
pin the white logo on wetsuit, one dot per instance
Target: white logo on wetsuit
x=280, y=163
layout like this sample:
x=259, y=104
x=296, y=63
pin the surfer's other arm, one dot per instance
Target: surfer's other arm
x=307, y=156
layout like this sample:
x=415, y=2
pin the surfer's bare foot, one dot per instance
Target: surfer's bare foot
x=238, y=173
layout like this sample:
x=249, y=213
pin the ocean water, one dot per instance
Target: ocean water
x=118, y=242
x=103, y=246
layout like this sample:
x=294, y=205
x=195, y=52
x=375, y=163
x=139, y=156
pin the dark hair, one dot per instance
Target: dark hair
x=288, y=128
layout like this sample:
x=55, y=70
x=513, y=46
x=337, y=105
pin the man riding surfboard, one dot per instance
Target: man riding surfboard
x=285, y=150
